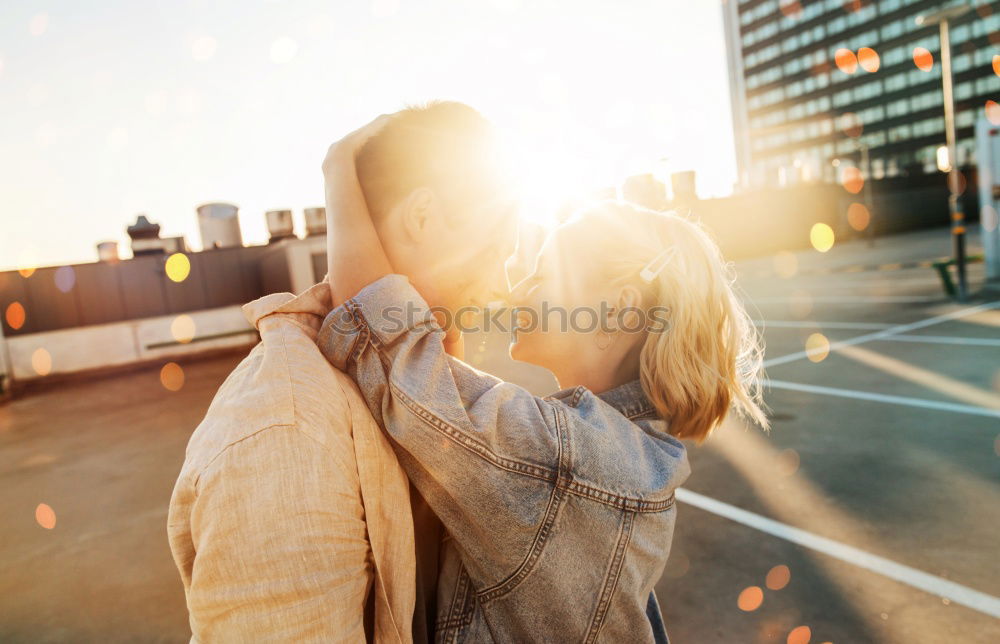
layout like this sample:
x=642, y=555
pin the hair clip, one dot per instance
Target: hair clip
x=651, y=270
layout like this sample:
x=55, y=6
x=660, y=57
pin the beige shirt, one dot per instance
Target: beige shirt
x=291, y=504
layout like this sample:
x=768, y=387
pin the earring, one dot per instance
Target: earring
x=604, y=345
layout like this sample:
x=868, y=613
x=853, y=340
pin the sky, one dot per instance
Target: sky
x=156, y=107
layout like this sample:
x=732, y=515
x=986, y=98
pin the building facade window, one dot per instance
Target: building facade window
x=795, y=94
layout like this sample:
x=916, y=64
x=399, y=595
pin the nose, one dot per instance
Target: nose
x=515, y=270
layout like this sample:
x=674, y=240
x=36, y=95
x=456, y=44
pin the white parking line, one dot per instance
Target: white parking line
x=941, y=339
x=886, y=398
x=919, y=579
x=809, y=324
x=850, y=299
x=878, y=335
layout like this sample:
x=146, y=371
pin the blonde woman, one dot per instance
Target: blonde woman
x=560, y=510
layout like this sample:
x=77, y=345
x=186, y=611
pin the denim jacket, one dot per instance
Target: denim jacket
x=560, y=509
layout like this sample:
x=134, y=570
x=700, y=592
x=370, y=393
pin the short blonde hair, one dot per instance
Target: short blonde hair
x=709, y=356
x=444, y=145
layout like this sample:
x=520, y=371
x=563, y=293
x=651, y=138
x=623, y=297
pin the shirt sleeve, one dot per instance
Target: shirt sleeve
x=484, y=453
x=278, y=544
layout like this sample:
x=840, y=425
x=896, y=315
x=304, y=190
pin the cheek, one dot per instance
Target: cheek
x=548, y=296
x=542, y=341
x=567, y=290
x=552, y=350
x=445, y=248
x=460, y=264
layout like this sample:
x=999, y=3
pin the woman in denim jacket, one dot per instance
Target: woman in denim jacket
x=560, y=509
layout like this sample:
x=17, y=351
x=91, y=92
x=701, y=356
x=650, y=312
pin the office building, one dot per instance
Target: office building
x=813, y=82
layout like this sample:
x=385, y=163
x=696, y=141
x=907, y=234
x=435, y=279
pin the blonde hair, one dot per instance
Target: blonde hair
x=708, y=358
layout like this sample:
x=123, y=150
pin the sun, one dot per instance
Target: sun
x=547, y=173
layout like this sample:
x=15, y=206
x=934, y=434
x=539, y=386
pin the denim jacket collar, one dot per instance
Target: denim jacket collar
x=628, y=399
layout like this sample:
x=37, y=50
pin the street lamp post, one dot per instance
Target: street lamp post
x=941, y=18
x=866, y=168
x=6, y=367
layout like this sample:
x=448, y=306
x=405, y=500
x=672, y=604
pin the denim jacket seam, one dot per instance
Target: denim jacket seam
x=527, y=566
x=611, y=578
x=376, y=337
x=564, y=461
x=458, y=616
x=632, y=411
x=600, y=495
x=472, y=445
x=545, y=528
x=468, y=611
x=363, y=334
x=458, y=601
x=462, y=613
x=463, y=619
x=627, y=503
x=642, y=413
x=455, y=623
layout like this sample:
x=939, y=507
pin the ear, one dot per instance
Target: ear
x=418, y=210
x=629, y=301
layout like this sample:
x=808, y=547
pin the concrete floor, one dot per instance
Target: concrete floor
x=914, y=485
x=917, y=486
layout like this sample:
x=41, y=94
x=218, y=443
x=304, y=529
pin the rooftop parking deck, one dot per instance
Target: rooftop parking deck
x=869, y=513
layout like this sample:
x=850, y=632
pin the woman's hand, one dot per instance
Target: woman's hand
x=355, y=257
x=342, y=153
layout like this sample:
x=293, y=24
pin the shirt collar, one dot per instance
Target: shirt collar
x=314, y=301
